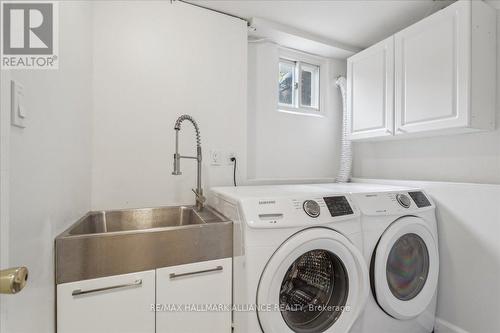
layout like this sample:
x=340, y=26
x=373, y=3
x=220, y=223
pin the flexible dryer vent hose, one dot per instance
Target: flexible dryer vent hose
x=344, y=174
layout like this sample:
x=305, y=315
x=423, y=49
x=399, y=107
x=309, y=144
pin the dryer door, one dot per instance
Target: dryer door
x=317, y=281
x=404, y=268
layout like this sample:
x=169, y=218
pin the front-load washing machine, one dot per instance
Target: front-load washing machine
x=401, y=249
x=298, y=264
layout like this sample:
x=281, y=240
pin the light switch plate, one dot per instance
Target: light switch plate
x=18, y=109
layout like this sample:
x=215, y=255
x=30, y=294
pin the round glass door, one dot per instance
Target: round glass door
x=314, y=292
x=407, y=267
x=316, y=281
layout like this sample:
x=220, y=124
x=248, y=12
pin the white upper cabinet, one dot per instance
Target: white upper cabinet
x=440, y=62
x=370, y=91
x=444, y=76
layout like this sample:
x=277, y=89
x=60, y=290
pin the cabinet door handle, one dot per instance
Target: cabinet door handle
x=174, y=275
x=78, y=292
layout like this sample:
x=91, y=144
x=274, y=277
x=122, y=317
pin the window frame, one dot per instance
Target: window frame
x=300, y=60
x=317, y=91
x=294, y=89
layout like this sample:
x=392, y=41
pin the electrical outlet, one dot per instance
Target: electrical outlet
x=229, y=156
x=221, y=158
x=215, y=157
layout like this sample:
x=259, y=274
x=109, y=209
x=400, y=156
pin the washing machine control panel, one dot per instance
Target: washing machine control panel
x=338, y=206
x=296, y=211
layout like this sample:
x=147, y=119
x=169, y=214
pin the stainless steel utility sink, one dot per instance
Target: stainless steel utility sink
x=106, y=243
x=142, y=219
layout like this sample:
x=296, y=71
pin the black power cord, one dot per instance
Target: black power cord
x=233, y=159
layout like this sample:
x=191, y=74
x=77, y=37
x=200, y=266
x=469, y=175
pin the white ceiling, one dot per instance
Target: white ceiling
x=358, y=23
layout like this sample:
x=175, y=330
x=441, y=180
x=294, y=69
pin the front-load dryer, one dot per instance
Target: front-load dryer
x=401, y=249
x=298, y=264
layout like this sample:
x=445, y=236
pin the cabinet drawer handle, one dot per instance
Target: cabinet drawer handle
x=218, y=268
x=78, y=292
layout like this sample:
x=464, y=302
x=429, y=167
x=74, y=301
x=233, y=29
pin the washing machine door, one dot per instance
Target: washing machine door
x=404, y=268
x=317, y=281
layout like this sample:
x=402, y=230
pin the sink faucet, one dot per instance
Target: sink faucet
x=200, y=199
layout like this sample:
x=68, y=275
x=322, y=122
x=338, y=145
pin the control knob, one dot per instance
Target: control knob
x=403, y=200
x=311, y=208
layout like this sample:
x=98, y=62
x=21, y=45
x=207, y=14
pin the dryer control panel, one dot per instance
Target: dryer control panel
x=392, y=203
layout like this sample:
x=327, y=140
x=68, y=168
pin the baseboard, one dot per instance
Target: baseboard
x=442, y=326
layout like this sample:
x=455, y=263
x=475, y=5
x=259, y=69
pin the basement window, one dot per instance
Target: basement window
x=298, y=86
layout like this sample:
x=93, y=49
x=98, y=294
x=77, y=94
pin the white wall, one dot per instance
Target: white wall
x=284, y=146
x=49, y=167
x=461, y=158
x=154, y=61
x=469, y=228
x=4, y=182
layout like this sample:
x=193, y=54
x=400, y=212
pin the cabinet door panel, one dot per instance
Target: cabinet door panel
x=192, y=287
x=368, y=74
x=116, y=304
x=432, y=60
x=370, y=91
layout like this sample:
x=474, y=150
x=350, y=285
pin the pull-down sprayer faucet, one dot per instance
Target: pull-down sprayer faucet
x=200, y=199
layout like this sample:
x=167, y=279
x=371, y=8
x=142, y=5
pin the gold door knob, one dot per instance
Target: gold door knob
x=13, y=280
